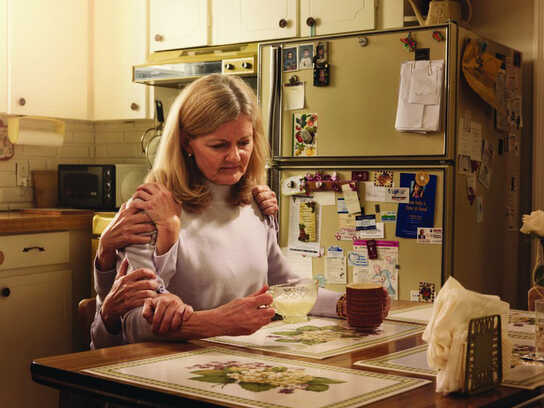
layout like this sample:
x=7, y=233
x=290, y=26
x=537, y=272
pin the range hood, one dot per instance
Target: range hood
x=177, y=67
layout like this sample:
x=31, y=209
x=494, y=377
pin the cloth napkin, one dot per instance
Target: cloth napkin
x=447, y=331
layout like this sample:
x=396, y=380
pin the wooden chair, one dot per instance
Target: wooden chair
x=86, y=309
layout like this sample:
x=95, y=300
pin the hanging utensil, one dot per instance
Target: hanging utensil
x=151, y=137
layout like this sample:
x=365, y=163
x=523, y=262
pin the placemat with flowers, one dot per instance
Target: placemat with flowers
x=250, y=380
x=318, y=338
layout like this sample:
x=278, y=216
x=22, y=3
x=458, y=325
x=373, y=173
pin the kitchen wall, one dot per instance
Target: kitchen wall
x=84, y=142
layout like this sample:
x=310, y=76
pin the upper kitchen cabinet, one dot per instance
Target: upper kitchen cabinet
x=235, y=21
x=330, y=17
x=119, y=42
x=47, y=58
x=178, y=24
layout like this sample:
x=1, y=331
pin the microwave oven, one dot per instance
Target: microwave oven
x=103, y=187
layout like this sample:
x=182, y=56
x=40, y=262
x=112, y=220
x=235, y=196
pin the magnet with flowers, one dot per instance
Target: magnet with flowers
x=304, y=134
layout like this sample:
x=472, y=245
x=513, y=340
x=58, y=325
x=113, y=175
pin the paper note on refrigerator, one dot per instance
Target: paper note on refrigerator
x=351, y=198
x=335, y=269
x=383, y=269
x=420, y=211
x=293, y=96
x=298, y=240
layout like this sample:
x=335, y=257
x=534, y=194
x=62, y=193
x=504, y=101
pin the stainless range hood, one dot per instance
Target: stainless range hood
x=176, y=67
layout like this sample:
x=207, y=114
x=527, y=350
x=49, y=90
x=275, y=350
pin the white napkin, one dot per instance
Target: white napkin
x=447, y=332
x=420, y=86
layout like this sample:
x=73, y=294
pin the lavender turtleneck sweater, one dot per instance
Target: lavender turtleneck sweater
x=221, y=254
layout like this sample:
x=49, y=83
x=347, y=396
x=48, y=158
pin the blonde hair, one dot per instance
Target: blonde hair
x=199, y=109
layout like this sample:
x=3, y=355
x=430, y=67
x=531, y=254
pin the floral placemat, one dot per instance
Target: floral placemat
x=412, y=360
x=522, y=321
x=223, y=375
x=420, y=314
x=318, y=337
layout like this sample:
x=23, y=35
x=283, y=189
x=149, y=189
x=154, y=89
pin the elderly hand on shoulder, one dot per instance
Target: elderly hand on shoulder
x=159, y=204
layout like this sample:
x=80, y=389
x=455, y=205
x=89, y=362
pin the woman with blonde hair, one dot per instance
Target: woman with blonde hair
x=215, y=253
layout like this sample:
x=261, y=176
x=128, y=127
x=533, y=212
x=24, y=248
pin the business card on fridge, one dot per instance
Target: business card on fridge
x=429, y=235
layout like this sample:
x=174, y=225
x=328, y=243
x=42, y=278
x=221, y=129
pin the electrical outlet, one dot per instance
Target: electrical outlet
x=23, y=173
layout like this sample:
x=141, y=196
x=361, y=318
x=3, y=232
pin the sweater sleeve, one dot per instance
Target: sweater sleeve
x=279, y=272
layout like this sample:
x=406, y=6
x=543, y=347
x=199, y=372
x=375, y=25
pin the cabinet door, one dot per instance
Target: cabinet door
x=36, y=320
x=120, y=40
x=48, y=57
x=3, y=56
x=178, y=24
x=236, y=21
x=331, y=17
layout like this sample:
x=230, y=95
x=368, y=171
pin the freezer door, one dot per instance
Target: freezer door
x=418, y=262
x=356, y=112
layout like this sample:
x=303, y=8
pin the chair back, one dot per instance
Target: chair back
x=86, y=309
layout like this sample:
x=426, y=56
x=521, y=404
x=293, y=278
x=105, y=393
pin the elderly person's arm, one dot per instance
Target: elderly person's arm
x=238, y=317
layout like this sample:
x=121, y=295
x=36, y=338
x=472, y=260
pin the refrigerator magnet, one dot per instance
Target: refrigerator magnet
x=383, y=178
x=305, y=56
x=321, y=52
x=307, y=223
x=321, y=74
x=292, y=185
x=426, y=292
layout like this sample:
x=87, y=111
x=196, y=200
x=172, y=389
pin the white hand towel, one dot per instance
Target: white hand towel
x=446, y=333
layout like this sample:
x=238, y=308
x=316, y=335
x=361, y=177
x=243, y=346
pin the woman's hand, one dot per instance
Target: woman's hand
x=127, y=292
x=126, y=229
x=266, y=199
x=246, y=315
x=166, y=313
x=163, y=209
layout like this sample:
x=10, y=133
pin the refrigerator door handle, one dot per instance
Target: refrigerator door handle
x=274, y=100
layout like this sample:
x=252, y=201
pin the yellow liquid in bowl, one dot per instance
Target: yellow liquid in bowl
x=293, y=309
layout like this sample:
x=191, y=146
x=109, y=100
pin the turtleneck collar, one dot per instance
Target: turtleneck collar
x=220, y=192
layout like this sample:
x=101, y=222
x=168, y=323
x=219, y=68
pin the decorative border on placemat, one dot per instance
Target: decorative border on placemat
x=393, y=314
x=413, y=330
x=385, y=362
x=111, y=371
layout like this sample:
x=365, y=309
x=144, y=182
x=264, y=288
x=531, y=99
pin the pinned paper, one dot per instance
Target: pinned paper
x=389, y=216
x=383, y=269
x=335, y=251
x=293, y=96
x=374, y=193
x=346, y=227
x=351, y=198
x=357, y=258
x=341, y=207
x=325, y=197
x=297, y=235
x=365, y=222
x=292, y=185
x=335, y=269
x=484, y=173
x=300, y=265
x=469, y=142
x=420, y=211
x=429, y=235
x=373, y=233
x=307, y=221
x=397, y=195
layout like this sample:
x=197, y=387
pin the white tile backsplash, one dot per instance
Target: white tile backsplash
x=84, y=142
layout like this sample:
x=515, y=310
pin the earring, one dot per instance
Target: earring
x=189, y=155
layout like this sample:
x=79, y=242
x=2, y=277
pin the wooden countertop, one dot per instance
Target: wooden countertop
x=18, y=222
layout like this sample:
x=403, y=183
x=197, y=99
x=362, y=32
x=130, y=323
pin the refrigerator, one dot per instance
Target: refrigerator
x=434, y=203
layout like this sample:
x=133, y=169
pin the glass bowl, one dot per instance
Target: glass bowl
x=294, y=300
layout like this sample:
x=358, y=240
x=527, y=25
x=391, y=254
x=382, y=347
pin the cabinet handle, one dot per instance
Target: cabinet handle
x=283, y=23
x=229, y=66
x=22, y=101
x=134, y=106
x=6, y=292
x=310, y=21
x=158, y=37
x=37, y=248
x=246, y=65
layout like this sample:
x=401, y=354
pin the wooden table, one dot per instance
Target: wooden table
x=65, y=373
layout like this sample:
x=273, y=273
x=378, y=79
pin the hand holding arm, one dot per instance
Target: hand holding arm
x=265, y=199
x=125, y=229
x=128, y=292
x=163, y=209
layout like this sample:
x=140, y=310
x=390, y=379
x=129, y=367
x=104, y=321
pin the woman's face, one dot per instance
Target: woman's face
x=223, y=155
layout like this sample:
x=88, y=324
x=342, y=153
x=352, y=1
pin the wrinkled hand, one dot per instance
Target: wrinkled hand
x=129, y=227
x=246, y=315
x=166, y=313
x=158, y=203
x=127, y=292
x=265, y=199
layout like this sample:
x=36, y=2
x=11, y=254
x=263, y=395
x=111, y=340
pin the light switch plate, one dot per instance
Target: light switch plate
x=23, y=173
